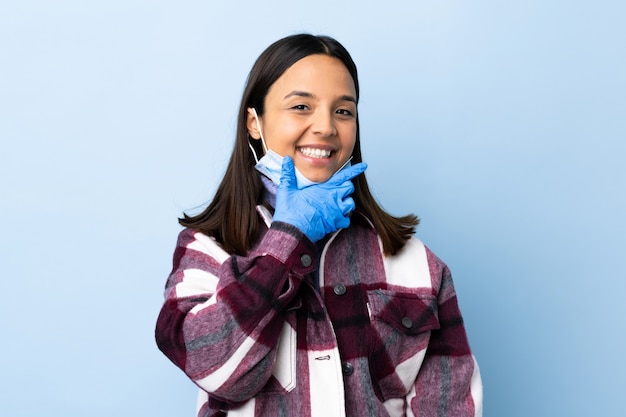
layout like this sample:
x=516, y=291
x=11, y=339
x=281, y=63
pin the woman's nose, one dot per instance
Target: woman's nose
x=324, y=124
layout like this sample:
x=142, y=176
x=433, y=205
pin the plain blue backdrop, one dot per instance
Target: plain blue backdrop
x=501, y=124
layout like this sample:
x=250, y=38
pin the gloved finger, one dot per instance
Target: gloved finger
x=342, y=222
x=346, y=206
x=288, y=173
x=345, y=189
x=347, y=173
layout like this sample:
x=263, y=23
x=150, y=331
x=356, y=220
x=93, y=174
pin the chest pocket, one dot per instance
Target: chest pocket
x=400, y=326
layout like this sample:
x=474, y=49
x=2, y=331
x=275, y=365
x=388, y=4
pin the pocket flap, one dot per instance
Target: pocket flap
x=408, y=313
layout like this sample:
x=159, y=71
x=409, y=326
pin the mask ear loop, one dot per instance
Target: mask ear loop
x=256, y=158
x=256, y=117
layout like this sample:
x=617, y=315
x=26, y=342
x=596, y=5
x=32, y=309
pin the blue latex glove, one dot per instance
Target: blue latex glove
x=318, y=209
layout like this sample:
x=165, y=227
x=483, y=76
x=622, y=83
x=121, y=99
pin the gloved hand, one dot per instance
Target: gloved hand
x=318, y=209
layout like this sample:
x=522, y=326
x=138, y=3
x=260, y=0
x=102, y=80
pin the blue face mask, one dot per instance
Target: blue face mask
x=271, y=163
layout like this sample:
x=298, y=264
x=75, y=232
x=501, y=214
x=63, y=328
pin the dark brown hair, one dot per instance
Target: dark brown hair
x=231, y=217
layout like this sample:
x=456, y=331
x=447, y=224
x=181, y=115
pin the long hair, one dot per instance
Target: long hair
x=231, y=217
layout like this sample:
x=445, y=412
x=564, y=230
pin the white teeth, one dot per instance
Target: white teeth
x=315, y=153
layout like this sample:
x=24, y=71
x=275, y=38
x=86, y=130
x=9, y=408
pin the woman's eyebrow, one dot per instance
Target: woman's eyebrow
x=299, y=93
x=348, y=98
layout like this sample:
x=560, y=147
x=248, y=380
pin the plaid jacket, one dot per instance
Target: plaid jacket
x=375, y=336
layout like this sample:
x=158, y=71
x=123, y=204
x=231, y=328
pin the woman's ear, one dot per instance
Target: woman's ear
x=252, y=125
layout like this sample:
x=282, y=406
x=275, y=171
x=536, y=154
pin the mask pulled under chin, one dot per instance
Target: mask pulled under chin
x=271, y=165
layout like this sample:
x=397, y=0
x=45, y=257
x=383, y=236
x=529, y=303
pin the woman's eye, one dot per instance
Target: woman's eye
x=345, y=112
x=300, y=107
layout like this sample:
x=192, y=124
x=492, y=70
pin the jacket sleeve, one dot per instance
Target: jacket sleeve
x=222, y=316
x=449, y=382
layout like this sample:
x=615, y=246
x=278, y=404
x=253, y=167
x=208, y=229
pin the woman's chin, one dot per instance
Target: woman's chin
x=316, y=176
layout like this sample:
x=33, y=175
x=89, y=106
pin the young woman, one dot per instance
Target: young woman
x=294, y=293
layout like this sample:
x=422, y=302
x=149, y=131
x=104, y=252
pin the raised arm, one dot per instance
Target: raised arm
x=223, y=315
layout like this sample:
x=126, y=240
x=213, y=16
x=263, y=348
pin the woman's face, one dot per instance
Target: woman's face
x=310, y=115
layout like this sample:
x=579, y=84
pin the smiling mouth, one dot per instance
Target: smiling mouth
x=315, y=152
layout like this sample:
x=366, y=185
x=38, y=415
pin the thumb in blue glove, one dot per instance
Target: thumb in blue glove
x=318, y=209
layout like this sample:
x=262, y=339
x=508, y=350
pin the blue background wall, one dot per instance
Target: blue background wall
x=501, y=124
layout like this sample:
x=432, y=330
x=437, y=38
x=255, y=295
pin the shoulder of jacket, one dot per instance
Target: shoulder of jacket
x=198, y=241
x=411, y=266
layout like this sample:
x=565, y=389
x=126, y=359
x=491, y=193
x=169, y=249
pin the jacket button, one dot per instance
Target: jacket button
x=339, y=289
x=306, y=260
x=407, y=322
x=347, y=368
